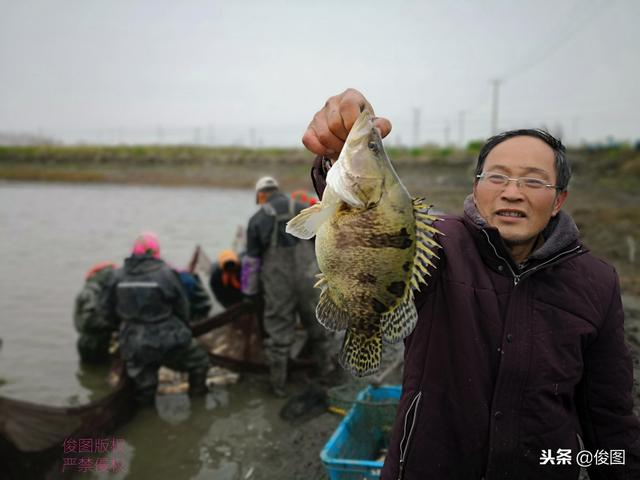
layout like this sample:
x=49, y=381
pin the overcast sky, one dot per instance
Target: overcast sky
x=255, y=72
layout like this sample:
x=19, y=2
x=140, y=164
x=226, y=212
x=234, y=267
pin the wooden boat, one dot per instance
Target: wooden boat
x=32, y=434
x=236, y=342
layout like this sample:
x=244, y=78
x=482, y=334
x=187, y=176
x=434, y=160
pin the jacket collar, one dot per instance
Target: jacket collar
x=138, y=264
x=561, y=236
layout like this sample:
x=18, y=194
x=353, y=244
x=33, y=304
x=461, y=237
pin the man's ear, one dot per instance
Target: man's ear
x=557, y=203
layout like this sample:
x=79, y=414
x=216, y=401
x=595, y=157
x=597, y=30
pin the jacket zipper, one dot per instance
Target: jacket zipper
x=561, y=254
x=518, y=277
x=406, y=436
x=581, y=445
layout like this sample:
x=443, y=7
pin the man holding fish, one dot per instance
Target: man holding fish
x=515, y=362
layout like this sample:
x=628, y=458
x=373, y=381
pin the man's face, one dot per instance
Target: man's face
x=519, y=213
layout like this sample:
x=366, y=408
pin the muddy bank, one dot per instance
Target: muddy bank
x=632, y=331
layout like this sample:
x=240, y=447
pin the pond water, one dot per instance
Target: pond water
x=50, y=234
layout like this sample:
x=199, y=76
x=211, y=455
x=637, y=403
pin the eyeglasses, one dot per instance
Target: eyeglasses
x=498, y=180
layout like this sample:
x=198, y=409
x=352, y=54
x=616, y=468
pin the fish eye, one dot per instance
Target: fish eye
x=373, y=146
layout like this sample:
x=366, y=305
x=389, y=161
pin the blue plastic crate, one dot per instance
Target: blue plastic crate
x=351, y=451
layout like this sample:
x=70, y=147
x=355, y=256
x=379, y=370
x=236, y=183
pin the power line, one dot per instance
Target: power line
x=545, y=52
x=494, y=106
x=579, y=22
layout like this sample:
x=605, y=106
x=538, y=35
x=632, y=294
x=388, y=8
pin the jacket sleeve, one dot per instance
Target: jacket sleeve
x=180, y=306
x=107, y=302
x=200, y=302
x=255, y=246
x=87, y=302
x=605, y=401
x=88, y=316
x=250, y=275
x=251, y=262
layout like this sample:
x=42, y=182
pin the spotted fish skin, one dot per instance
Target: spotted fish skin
x=374, y=245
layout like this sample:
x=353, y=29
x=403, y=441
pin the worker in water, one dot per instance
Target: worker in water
x=94, y=330
x=199, y=300
x=147, y=301
x=225, y=279
x=285, y=267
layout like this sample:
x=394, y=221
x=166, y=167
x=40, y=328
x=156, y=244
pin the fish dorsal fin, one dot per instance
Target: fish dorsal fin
x=361, y=350
x=426, y=245
x=399, y=323
x=328, y=313
x=321, y=283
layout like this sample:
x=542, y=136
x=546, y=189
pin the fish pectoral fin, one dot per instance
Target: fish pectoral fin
x=306, y=223
x=341, y=182
x=399, y=323
x=328, y=313
x=426, y=244
x=361, y=351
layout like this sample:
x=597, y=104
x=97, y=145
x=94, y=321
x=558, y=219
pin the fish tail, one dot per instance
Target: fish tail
x=361, y=351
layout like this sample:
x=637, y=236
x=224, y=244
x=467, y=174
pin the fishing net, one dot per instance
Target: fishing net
x=371, y=412
x=381, y=409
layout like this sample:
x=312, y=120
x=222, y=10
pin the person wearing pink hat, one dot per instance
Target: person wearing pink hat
x=148, y=303
x=147, y=244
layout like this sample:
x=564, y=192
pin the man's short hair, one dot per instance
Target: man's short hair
x=562, y=165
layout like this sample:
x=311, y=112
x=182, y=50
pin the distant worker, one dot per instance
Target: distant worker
x=225, y=279
x=303, y=197
x=199, y=300
x=95, y=331
x=285, y=267
x=148, y=302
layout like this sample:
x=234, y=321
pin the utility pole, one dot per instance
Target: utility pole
x=461, y=114
x=447, y=135
x=494, y=110
x=416, y=126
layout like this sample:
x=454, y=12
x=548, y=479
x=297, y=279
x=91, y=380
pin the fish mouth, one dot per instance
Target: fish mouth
x=510, y=213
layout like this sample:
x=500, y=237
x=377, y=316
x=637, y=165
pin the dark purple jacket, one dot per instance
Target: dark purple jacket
x=508, y=361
